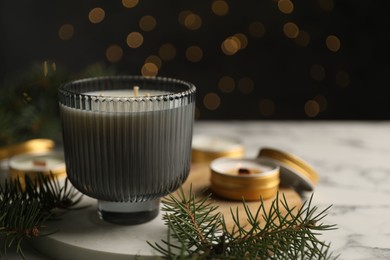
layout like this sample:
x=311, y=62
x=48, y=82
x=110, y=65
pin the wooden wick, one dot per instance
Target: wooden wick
x=39, y=163
x=136, y=91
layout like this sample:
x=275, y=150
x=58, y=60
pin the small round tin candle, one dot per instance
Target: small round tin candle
x=206, y=148
x=243, y=178
x=294, y=171
x=33, y=145
x=33, y=164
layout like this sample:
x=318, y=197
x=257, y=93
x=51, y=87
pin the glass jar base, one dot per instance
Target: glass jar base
x=128, y=213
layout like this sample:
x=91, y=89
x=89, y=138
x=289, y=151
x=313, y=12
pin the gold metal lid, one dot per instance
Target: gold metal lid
x=33, y=145
x=206, y=148
x=294, y=171
x=35, y=163
x=261, y=179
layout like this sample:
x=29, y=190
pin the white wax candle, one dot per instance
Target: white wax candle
x=123, y=93
x=37, y=162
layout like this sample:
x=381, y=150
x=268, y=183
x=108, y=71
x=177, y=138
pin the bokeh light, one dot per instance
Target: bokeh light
x=96, y=15
x=231, y=45
x=134, y=40
x=155, y=60
x=220, y=7
x=149, y=69
x=194, y=54
x=147, y=23
x=114, y=53
x=211, y=101
x=285, y=6
x=129, y=3
x=291, y=30
x=312, y=108
x=333, y=43
x=66, y=32
x=167, y=52
x=226, y=84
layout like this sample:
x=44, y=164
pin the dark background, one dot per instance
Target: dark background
x=276, y=73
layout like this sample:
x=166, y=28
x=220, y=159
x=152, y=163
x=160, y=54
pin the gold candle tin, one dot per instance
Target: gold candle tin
x=206, y=148
x=250, y=187
x=294, y=171
x=35, y=163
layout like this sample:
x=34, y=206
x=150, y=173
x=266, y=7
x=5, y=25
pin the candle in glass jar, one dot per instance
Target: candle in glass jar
x=127, y=146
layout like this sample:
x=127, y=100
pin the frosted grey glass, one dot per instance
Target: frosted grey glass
x=129, y=149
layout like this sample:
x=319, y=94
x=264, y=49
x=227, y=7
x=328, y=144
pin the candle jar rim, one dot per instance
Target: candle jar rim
x=187, y=87
x=75, y=94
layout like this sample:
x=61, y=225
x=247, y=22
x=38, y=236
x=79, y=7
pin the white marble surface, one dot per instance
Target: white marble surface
x=353, y=161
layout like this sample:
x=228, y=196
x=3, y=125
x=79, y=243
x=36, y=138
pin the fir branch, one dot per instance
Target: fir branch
x=198, y=230
x=25, y=207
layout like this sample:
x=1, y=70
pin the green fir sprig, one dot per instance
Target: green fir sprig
x=26, y=206
x=197, y=230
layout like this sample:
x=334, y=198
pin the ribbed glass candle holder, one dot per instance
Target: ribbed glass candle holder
x=125, y=146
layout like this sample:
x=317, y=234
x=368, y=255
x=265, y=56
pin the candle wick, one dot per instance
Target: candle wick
x=135, y=90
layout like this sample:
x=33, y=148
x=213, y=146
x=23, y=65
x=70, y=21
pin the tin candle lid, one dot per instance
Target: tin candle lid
x=206, y=148
x=32, y=164
x=294, y=171
x=243, y=178
x=33, y=145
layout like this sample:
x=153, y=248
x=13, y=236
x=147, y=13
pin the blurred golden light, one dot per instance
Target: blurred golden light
x=322, y=102
x=134, y=40
x=155, y=60
x=167, y=52
x=192, y=21
x=231, y=45
x=312, y=108
x=266, y=107
x=333, y=43
x=194, y=53
x=286, y=6
x=303, y=39
x=54, y=66
x=326, y=5
x=256, y=29
x=129, y=3
x=291, y=30
x=226, y=84
x=96, y=15
x=147, y=23
x=220, y=7
x=182, y=16
x=66, y=32
x=246, y=85
x=149, y=69
x=342, y=79
x=211, y=101
x=317, y=72
x=114, y=53
x=242, y=39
